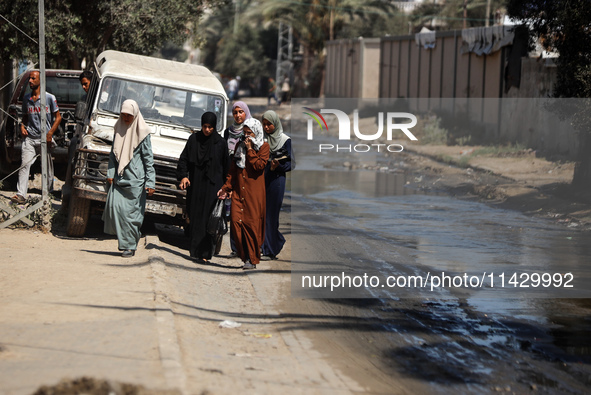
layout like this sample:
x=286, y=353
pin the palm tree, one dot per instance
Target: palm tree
x=315, y=21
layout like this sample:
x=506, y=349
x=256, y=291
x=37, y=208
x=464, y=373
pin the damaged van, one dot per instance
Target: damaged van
x=172, y=97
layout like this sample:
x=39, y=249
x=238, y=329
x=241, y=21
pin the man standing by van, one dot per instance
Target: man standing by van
x=31, y=133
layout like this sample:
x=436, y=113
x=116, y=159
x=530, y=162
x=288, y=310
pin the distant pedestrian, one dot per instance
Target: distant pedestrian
x=131, y=177
x=233, y=87
x=31, y=132
x=246, y=182
x=272, y=92
x=285, y=90
x=233, y=135
x=281, y=160
x=202, y=169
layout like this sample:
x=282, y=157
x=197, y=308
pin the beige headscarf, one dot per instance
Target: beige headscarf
x=128, y=138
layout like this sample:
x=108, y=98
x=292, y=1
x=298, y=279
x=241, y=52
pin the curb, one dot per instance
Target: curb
x=168, y=343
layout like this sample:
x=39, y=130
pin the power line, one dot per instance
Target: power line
x=16, y=27
x=19, y=76
x=363, y=11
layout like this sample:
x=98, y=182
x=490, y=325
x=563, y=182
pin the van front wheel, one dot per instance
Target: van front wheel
x=77, y=215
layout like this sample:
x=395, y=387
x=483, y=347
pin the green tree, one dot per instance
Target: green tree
x=456, y=14
x=241, y=54
x=82, y=29
x=425, y=14
x=316, y=21
x=565, y=26
x=395, y=24
x=211, y=30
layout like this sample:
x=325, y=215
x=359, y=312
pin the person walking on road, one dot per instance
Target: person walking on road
x=272, y=92
x=285, y=90
x=281, y=161
x=246, y=182
x=233, y=135
x=130, y=176
x=233, y=87
x=31, y=132
x=202, y=169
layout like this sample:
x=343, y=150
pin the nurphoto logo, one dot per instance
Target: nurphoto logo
x=344, y=123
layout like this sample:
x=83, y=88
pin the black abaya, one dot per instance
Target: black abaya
x=205, y=162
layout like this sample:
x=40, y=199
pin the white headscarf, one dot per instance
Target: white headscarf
x=256, y=127
x=127, y=138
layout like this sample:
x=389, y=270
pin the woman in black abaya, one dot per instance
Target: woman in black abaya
x=202, y=169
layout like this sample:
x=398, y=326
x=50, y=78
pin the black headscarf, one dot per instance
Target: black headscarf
x=209, y=118
x=204, y=152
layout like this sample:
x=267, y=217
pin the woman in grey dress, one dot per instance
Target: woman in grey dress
x=131, y=177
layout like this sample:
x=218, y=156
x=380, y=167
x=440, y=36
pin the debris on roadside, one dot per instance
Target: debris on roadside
x=92, y=386
x=229, y=324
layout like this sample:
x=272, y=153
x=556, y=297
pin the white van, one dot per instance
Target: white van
x=172, y=97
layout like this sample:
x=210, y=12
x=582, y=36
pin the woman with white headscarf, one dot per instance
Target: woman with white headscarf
x=280, y=162
x=131, y=177
x=246, y=181
x=233, y=135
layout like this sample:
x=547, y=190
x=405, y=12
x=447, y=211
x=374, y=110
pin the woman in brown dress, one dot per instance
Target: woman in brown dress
x=246, y=181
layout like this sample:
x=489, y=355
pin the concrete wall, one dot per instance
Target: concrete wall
x=407, y=70
x=538, y=76
x=369, y=73
x=544, y=131
x=352, y=68
x=396, y=67
x=343, y=68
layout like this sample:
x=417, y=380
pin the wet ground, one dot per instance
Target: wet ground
x=515, y=320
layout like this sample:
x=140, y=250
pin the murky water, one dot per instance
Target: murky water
x=441, y=233
x=374, y=222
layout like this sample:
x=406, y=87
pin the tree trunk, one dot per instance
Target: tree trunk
x=73, y=62
x=106, y=37
x=331, y=32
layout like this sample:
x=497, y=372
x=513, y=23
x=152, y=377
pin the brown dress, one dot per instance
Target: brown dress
x=247, y=218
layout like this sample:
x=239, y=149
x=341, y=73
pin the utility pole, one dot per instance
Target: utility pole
x=487, y=16
x=236, y=15
x=44, y=175
x=284, y=54
x=44, y=204
x=465, y=13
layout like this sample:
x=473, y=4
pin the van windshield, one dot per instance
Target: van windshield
x=161, y=104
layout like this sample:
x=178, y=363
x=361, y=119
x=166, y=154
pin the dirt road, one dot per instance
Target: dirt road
x=71, y=308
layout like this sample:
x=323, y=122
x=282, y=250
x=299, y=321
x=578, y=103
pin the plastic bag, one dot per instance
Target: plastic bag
x=216, y=223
